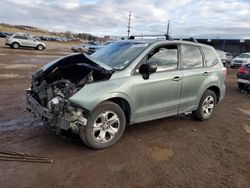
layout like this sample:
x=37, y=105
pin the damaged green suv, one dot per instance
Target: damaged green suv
x=126, y=82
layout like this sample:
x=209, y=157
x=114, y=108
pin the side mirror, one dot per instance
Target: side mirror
x=146, y=69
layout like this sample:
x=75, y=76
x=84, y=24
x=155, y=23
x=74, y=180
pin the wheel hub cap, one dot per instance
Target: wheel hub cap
x=105, y=127
x=208, y=105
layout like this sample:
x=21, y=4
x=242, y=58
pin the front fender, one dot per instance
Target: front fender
x=110, y=96
x=93, y=94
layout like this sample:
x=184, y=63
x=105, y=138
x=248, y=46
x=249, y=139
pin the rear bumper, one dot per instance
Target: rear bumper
x=244, y=81
x=235, y=65
x=243, y=78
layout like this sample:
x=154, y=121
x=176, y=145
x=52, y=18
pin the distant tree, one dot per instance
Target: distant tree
x=68, y=34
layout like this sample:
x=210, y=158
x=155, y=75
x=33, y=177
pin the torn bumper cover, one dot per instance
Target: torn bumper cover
x=70, y=118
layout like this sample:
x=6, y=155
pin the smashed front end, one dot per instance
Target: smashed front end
x=53, y=85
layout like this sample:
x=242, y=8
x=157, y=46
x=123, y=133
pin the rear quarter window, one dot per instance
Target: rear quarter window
x=210, y=57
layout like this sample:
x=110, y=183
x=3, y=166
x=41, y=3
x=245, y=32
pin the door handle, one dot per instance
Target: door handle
x=177, y=78
x=205, y=74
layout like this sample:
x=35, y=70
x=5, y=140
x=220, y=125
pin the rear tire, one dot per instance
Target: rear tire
x=206, y=106
x=15, y=45
x=105, y=126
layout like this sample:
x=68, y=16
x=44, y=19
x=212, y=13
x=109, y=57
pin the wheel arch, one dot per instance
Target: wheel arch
x=216, y=90
x=40, y=45
x=120, y=99
x=125, y=106
x=15, y=42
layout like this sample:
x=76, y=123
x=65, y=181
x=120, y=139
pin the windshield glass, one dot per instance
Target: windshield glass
x=120, y=54
x=244, y=56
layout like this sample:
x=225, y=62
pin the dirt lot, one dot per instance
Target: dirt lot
x=171, y=152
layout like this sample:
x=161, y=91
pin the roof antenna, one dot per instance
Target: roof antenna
x=129, y=20
x=168, y=37
x=168, y=27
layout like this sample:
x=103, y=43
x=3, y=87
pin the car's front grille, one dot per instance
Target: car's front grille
x=238, y=61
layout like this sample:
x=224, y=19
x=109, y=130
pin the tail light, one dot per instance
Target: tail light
x=243, y=70
x=224, y=71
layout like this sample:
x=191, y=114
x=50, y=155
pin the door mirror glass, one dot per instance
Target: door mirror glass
x=146, y=69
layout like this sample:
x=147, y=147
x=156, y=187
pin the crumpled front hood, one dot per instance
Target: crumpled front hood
x=64, y=77
x=76, y=59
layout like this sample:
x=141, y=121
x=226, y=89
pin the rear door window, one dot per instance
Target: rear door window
x=191, y=57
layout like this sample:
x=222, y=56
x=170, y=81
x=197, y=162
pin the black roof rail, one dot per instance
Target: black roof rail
x=193, y=39
x=168, y=37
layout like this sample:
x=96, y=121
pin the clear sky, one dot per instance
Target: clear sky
x=197, y=18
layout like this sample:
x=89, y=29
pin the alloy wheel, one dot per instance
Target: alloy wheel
x=208, y=106
x=105, y=127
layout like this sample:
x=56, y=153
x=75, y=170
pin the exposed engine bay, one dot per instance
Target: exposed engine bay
x=54, y=84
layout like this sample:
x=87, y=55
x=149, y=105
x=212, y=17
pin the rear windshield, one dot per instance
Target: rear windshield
x=120, y=54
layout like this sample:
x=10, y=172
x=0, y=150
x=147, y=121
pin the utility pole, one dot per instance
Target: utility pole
x=129, y=20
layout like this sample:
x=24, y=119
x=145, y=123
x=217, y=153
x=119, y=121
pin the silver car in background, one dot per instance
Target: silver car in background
x=225, y=57
x=17, y=41
x=240, y=60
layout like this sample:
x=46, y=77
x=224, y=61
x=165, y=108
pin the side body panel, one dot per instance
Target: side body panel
x=195, y=83
x=156, y=97
x=149, y=99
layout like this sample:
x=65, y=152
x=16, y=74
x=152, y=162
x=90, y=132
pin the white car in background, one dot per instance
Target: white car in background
x=229, y=57
x=22, y=40
x=240, y=60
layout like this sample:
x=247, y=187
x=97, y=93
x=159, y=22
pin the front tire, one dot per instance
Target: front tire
x=206, y=106
x=15, y=45
x=40, y=47
x=105, y=126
